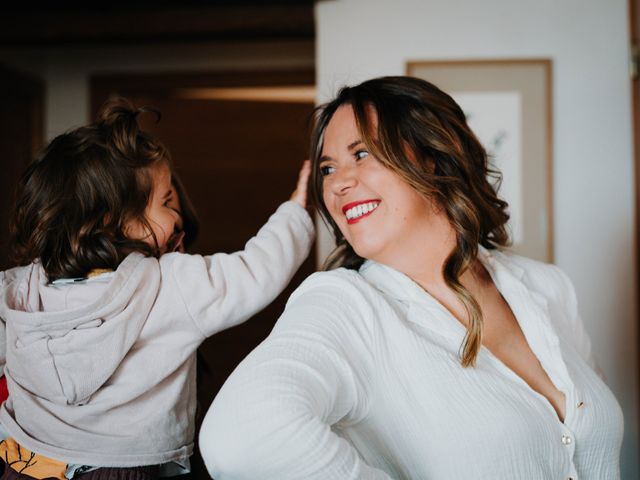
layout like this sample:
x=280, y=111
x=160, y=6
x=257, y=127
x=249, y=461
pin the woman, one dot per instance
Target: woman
x=432, y=354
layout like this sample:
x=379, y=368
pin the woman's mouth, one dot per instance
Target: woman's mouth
x=355, y=211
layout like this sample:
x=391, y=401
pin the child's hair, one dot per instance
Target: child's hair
x=74, y=202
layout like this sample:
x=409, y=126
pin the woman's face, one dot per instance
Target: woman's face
x=378, y=213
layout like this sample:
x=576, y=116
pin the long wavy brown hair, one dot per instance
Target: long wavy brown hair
x=74, y=202
x=448, y=164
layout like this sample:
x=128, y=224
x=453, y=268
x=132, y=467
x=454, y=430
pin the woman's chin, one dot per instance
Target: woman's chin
x=367, y=250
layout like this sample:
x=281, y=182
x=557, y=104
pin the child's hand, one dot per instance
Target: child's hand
x=300, y=193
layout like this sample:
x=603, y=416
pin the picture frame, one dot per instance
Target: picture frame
x=508, y=104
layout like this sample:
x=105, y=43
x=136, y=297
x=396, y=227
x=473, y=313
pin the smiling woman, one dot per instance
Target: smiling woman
x=370, y=206
x=431, y=343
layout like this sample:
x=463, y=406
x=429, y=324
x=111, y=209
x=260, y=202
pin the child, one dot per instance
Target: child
x=187, y=222
x=103, y=323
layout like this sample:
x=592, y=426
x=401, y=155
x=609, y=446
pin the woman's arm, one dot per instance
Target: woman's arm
x=273, y=417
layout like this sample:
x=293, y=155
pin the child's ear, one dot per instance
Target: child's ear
x=134, y=229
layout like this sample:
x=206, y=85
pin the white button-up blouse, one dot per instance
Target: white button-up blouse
x=361, y=379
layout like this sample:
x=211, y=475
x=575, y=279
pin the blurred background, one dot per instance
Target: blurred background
x=236, y=82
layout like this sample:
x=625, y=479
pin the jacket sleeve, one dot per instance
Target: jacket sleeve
x=273, y=417
x=223, y=290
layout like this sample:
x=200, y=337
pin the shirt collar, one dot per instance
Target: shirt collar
x=507, y=276
x=529, y=307
x=401, y=287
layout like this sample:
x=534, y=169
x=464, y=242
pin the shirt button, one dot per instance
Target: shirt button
x=566, y=439
x=579, y=404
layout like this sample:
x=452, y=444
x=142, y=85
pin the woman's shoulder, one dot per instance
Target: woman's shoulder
x=340, y=275
x=331, y=311
x=337, y=297
x=545, y=278
x=340, y=283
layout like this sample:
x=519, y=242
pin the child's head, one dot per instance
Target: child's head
x=96, y=194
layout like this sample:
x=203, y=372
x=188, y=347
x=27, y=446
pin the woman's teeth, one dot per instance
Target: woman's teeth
x=360, y=210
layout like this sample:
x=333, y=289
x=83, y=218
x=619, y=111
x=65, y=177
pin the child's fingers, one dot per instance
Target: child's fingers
x=303, y=176
x=300, y=193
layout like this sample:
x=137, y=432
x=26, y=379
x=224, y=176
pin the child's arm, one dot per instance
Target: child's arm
x=222, y=290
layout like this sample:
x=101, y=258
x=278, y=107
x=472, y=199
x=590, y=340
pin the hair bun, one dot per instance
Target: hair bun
x=118, y=119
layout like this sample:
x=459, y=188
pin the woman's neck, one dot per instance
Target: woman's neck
x=422, y=258
x=422, y=255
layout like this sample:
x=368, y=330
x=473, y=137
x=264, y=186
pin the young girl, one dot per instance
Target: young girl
x=103, y=322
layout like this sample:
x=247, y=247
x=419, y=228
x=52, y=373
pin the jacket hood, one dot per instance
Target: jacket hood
x=66, y=341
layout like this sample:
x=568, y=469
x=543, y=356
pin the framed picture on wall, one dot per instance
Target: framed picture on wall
x=508, y=106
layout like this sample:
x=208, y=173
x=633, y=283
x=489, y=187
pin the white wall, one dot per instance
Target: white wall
x=593, y=166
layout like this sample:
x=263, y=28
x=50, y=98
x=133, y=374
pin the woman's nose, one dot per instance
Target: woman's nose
x=344, y=179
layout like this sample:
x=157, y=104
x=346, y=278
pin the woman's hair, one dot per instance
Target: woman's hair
x=74, y=202
x=422, y=135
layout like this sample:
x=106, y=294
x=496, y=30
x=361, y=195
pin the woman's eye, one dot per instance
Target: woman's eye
x=360, y=154
x=326, y=170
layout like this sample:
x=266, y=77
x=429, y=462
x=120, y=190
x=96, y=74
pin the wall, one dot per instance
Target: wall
x=593, y=169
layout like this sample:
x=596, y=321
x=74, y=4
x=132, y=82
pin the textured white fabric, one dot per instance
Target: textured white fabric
x=361, y=379
x=103, y=373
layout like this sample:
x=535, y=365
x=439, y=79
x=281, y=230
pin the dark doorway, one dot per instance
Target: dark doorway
x=238, y=159
x=21, y=117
